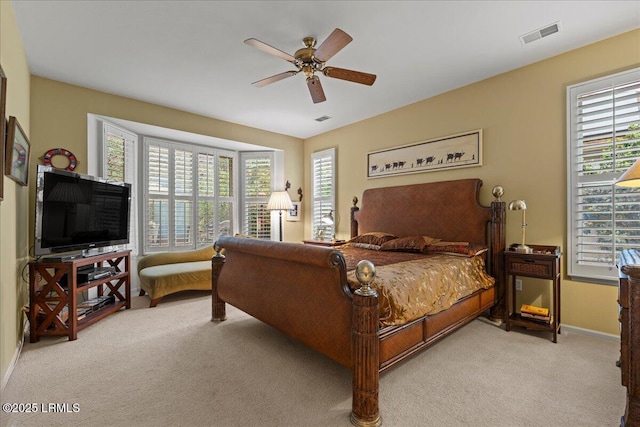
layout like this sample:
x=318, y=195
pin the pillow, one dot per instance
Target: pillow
x=374, y=238
x=408, y=244
x=456, y=248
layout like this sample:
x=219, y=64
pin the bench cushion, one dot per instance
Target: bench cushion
x=161, y=280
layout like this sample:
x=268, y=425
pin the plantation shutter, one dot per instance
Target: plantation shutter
x=183, y=198
x=604, y=141
x=257, y=184
x=157, y=212
x=119, y=163
x=190, y=195
x=323, y=191
x=226, y=196
x=206, y=213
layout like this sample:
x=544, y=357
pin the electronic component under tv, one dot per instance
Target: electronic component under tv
x=79, y=212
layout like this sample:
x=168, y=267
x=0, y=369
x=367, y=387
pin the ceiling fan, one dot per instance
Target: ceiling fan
x=310, y=60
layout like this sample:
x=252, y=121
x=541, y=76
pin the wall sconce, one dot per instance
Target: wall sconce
x=520, y=205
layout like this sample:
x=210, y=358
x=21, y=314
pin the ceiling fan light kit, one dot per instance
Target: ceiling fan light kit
x=310, y=60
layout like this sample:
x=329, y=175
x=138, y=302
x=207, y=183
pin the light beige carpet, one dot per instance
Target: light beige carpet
x=171, y=366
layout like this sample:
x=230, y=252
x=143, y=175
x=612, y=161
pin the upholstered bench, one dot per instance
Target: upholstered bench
x=169, y=272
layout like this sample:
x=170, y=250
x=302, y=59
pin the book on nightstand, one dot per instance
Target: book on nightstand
x=543, y=319
x=532, y=309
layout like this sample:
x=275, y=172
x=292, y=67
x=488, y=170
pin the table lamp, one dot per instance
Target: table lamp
x=280, y=201
x=520, y=205
x=329, y=220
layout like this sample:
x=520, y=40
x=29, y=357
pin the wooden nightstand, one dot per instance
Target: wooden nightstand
x=544, y=263
x=330, y=243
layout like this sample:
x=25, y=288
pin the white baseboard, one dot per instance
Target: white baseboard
x=16, y=356
x=590, y=332
x=574, y=329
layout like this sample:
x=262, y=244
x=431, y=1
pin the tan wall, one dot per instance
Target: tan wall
x=14, y=242
x=522, y=114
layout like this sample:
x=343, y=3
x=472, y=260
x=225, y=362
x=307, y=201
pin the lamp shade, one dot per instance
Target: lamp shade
x=279, y=201
x=518, y=205
x=328, y=218
x=631, y=178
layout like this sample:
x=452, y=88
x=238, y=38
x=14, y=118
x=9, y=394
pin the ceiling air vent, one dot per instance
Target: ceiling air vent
x=322, y=119
x=540, y=33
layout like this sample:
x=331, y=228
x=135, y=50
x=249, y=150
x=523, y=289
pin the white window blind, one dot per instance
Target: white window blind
x=226, y=198
x=119, y=160
x=257, y=182
x=603, y=142
x=189, y=200
x=323, y=169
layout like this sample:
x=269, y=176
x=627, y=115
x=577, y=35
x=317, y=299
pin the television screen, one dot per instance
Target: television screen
x=75, y=211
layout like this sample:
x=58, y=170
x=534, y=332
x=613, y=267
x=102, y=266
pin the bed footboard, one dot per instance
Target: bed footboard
x=282, y=284
x=344, y=326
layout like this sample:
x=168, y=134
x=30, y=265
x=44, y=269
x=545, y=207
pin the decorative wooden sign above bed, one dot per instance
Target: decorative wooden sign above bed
x=456, y=151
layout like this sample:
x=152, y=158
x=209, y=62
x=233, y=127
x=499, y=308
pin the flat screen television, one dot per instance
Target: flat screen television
x=77, y=212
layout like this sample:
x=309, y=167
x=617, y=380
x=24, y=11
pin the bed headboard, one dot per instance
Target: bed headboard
x=448, y=210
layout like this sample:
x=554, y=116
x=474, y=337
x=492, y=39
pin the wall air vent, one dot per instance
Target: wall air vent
x=322, y=119
x=540, y=33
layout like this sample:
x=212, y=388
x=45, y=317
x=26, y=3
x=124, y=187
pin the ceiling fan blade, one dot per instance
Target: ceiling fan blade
x=270, y=49
x=273, y=79
x=350, y=75
x=332, y=45
x=315, y=88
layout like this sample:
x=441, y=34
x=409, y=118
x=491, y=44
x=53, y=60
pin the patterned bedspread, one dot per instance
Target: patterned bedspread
x=412, y=285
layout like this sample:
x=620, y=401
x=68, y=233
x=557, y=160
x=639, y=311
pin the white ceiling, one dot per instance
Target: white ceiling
x=190, y=55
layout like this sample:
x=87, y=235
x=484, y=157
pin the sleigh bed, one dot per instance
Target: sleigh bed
x=314, y=294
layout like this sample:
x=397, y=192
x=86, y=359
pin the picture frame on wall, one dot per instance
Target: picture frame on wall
x=462, y=150
x=17, y=153
x=294, y=214
x=3, y=127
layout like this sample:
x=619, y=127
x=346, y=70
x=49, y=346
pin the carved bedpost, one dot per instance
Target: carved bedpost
x=354, y=223
x=365, y=348
x=498, y=245
x=218, y=308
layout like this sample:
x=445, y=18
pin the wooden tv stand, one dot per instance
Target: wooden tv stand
x=53, y=305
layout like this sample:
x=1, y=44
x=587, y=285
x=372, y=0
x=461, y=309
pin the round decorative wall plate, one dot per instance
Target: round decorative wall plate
x=71, y=158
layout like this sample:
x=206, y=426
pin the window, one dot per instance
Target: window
x=189, y=200
x=190, y=194
x=119, y=164
x=257, y=178
x=323, y=183
x=603, y=142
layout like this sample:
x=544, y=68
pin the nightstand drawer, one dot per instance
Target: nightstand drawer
x=531, y=267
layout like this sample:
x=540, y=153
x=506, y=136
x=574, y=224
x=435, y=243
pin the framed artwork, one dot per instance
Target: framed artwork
x=294, y=214
x=3, y=126
x=456, y=151
x=17, y=153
